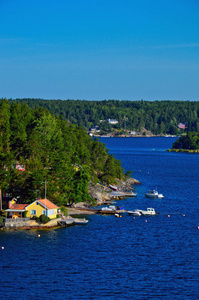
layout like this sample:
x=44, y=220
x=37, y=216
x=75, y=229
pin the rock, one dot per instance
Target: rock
x=128, y=184
x=102, y=194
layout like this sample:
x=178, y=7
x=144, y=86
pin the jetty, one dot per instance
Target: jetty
x=117, y=195
x=93, y=211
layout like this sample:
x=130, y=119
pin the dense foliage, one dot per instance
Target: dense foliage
x=52, y=150
x=189, y=141
x=159, y=117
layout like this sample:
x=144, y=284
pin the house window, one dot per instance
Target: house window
x=33, y=212
x=51, y=212
x=44, y=212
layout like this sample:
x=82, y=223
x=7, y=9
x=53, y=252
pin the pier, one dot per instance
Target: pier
x=121, y=195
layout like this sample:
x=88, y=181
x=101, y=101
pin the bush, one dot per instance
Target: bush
x=44, y=219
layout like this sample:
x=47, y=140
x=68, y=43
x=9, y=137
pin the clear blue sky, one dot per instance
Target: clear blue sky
x=99, y=49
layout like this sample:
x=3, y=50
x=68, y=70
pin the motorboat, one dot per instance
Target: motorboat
x=154, y=194
x=139, y=212
x=80, y=221
x=110, y=208
x=113, y=187
x=135, y=213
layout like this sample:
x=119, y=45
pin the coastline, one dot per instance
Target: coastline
x=102, y=194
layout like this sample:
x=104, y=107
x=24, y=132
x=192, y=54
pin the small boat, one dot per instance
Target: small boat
x=113, y=187
x=80, y=221
x=139, y=212
x=110, y=208
x=66, y=222
x=154, y=194
x=134, y=213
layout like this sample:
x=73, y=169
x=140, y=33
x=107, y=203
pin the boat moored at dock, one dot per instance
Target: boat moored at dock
x=139, y=212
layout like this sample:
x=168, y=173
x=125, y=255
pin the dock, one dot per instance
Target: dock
x=94, y=211
x=121, y=195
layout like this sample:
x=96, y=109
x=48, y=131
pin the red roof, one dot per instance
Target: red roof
x=18, y=206
x=47, y=203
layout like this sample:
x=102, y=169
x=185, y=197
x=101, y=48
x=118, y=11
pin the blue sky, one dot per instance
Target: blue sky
x=99, y=49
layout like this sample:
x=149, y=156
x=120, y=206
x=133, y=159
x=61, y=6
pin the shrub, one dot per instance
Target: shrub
x=44, y=219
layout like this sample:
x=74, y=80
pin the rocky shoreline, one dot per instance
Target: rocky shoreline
x=102, y=193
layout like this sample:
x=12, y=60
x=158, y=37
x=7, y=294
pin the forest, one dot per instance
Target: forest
x=189, y=141
x=158, y=117
x=39, y=148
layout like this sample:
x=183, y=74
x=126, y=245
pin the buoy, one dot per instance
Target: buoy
x=183, y=215
x=38, y=235
x=146, y=221
x=198, y=227
x=120, y=216
x=117, y=215
x=2, y=247
x=168, y=216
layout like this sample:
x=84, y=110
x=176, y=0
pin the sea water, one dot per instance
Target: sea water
x=117, y=258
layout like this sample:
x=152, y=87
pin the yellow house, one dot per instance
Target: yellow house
x=42, y=207
x=37, y=208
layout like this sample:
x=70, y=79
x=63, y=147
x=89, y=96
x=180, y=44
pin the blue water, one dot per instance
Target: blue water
x=117, y=258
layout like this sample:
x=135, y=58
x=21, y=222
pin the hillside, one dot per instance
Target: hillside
x=157, y=117
x=42, y=154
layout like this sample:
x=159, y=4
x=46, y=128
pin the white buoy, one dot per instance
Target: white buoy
x=2, y=247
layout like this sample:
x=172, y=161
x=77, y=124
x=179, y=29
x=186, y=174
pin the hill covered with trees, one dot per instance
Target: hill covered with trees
x=159, y=117
x=38, y=148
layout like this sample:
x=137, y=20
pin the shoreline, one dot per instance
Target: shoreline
x=103, y=196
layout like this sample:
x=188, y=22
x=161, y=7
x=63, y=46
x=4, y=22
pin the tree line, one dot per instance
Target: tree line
x=38, y=146
x=159, y=117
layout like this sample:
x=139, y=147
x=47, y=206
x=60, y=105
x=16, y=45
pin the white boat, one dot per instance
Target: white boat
x=65, y=222
x=154, y=194
x=110, y=208
x=134, y=213
x=139, y=212
x=80, y=221
x=113, y=187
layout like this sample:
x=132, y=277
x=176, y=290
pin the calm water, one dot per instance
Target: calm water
x=117, y=258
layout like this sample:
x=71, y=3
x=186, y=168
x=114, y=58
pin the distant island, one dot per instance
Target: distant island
x=123, y=118
x=187, y=143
